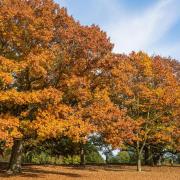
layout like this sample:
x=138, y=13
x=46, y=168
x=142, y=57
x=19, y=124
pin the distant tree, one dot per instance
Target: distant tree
x=92, y=155
x=123, y=157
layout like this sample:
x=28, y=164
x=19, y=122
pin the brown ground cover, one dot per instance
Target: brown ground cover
x=117, y=172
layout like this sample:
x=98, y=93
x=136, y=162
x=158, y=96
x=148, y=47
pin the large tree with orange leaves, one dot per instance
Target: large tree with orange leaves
x=47, y=62
x=147, y=88
x=58, y=78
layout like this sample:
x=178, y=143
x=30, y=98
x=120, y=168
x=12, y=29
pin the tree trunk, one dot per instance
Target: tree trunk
x=82, y=155
x=55, y=160
x=139, y=151
x=16, y=157
x=157, y=160
x=148, y=156
x=72, y=158
x=139, y=162
x=159, y=163
x=107, y=158
x=171, y=162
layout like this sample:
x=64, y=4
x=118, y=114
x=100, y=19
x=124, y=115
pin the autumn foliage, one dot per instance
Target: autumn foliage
x=59, y=78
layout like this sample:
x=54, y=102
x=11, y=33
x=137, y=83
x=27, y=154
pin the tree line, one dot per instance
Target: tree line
x=61, y=80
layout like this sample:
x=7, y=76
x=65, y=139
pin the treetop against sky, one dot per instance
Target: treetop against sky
x=152, y=26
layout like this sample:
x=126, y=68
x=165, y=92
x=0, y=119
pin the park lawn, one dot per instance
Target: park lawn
x=114, y=172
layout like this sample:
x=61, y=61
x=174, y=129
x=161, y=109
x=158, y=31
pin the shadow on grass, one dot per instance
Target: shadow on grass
x=38, y=171
x=124, y=169
x=30, y=172
x=84, y=168
x=109, y=167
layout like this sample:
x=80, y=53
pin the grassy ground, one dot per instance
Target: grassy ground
x=94, y=173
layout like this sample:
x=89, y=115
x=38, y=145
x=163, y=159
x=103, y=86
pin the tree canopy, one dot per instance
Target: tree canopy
x=59, y=78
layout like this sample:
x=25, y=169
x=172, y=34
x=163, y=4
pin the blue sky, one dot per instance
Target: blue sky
x=149, y=25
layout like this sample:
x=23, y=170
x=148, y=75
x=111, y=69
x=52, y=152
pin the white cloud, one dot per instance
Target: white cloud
x=130, y=30
x=141, y=30
x=170, y=49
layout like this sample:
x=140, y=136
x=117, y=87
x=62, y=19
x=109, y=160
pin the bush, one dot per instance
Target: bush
x=71, y=160
x=123, y=157
x=94, y=157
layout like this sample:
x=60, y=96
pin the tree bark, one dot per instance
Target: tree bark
x=72, y=159
x=82, y=155
x=139, y=162
x=16, y=157
x=107, y=158
x=55, y=160
x=157, y=160
x=139, y=151
x=148, y=156
x=159, y=163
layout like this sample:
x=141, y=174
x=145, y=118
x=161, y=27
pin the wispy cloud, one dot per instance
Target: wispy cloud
x=148, y=28
x=169, y=49
x=141, y=30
